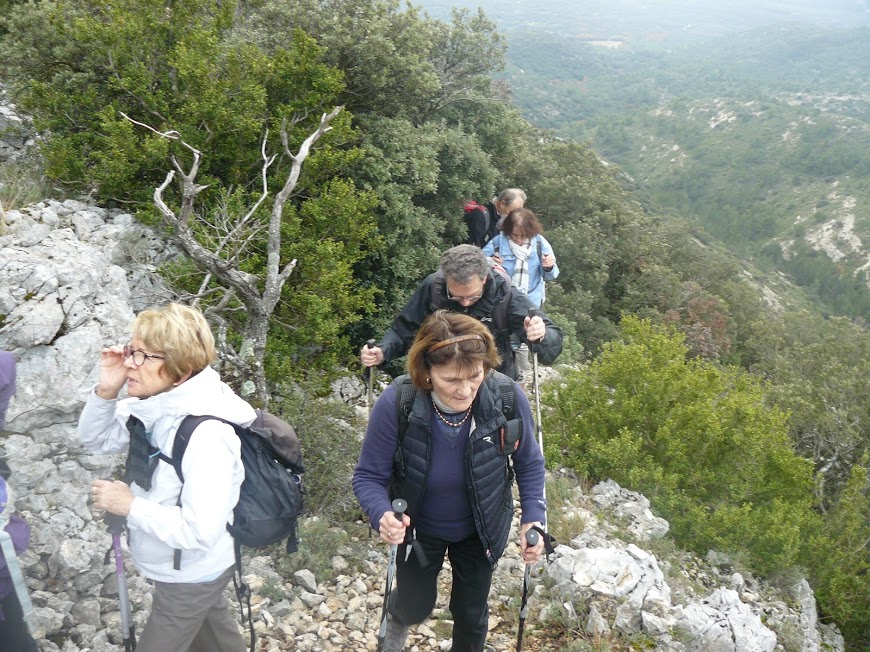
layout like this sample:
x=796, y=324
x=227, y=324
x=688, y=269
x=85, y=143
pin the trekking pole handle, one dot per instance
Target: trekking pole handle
x=115, y=522
x=534, y=312
x=399, y=506
x=367, y=372
x=532, y=537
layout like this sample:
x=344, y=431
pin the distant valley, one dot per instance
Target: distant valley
x=756, y=125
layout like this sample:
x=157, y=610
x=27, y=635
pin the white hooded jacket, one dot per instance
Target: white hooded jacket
x=211, y=466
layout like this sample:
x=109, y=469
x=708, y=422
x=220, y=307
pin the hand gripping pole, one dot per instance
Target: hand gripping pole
x=399, y=507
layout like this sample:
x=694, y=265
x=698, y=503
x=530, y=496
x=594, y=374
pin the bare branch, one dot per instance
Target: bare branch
x=230, y=237
x=275, y=279
x=168, y=213
x=285, y=273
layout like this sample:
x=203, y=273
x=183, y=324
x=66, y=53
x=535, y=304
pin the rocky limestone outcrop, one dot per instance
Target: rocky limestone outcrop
x=72, y=275
x=692, y=606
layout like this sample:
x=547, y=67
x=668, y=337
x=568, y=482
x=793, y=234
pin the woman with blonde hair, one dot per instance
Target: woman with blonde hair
x=454, y=468
x=177, y=530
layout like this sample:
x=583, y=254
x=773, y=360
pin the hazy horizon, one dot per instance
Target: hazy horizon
x=657, y=20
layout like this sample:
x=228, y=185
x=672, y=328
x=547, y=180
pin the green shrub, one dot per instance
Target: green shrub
x=331, y=440
x=696, y=438
x=319, y=543
x=839, y=558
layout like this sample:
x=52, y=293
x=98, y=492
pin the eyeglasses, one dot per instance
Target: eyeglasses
x=470, y=297
x=139, y=357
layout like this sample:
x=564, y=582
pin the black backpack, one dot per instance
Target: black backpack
x=472, y=206
x=270, y=499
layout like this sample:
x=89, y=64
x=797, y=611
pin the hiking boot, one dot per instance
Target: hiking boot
x=395, y=637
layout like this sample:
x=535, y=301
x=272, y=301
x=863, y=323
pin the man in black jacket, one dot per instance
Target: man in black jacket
x=483, y=222
x=467, y=284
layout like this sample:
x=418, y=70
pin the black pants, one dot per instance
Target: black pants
x=417, y=589
x=14, y=636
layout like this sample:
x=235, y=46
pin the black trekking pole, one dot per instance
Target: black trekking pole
x=370, y=396
x=532, y=540
x=399, y=507
x=533, y=349
x=115, y=525
x=532, y=535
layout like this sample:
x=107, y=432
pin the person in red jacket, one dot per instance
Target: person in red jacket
x=484, y=222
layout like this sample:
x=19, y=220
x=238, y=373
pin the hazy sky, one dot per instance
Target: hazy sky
x=646, y=18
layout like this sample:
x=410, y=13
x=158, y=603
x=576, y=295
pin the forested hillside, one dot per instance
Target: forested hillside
x=761, y=139
x=762, y=435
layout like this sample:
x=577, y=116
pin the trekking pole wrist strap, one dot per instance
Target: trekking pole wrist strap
x=547, y=538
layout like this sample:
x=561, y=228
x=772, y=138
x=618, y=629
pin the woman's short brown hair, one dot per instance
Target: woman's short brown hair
x=523, y=221
x=472, y=346
x=181, y=334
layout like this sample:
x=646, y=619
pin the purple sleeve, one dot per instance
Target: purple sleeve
x=7, y=383
x=529, y=464
x=371, y=477
x=19, y=532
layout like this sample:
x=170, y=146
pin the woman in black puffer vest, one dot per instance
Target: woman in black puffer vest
x=452, y=468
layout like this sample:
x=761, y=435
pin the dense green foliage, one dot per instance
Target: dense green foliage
x=80, y=67
x=697, y=439
x=429, y=120
x=818, y=370
x=703, y=444
x=841, y=562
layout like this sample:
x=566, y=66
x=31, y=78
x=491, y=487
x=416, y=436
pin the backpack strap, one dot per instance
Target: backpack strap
x=407, y=394
x=496, y=241
x=500, y=314
x=179, y=447
x=511, y=433
x=507, y=388
x=182, y=439
x=437, y=291
x=243, y=592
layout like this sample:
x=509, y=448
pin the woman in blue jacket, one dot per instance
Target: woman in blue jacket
x=524, y=253
x=528, y=258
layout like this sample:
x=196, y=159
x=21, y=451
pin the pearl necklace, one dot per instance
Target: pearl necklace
x=447, y=421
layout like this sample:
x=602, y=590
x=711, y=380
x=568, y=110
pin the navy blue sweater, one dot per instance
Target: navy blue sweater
x=446, y=509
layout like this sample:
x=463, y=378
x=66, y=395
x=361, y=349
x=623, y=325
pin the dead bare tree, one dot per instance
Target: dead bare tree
x=229, y=238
